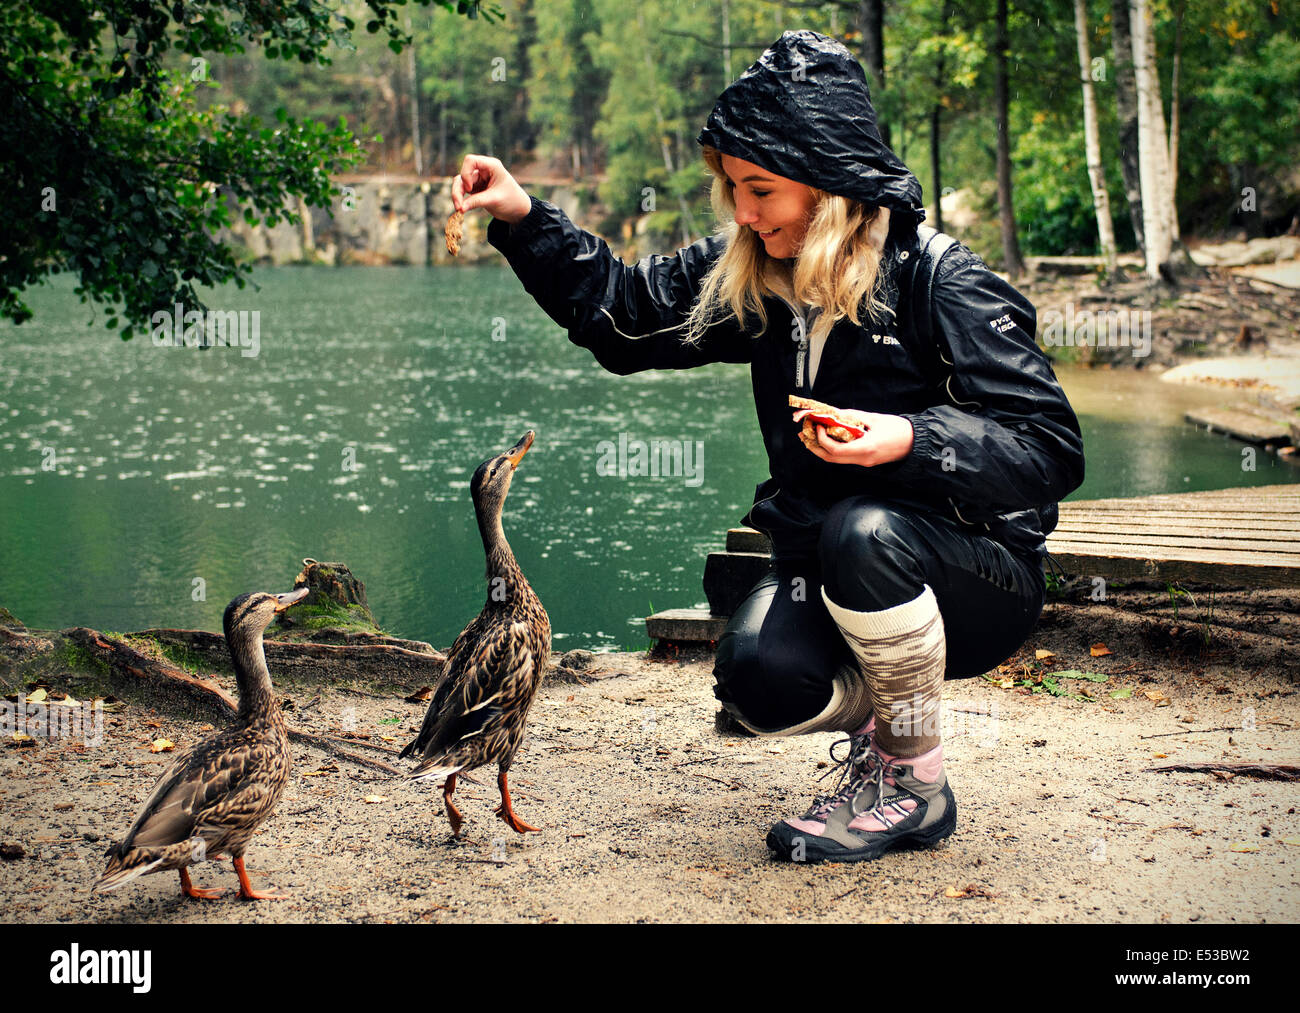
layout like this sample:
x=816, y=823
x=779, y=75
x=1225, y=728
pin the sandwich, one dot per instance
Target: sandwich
x=839, y=426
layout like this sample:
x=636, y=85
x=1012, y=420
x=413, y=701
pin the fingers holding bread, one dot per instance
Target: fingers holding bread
x=839, y=425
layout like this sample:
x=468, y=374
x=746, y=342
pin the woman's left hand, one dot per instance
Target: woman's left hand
x=888, y=438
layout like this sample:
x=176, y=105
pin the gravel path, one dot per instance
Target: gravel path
x=650, y=814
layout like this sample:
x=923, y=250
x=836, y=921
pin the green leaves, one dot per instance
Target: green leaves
x=142, y=174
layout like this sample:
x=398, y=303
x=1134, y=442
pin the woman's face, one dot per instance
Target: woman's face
x=778, y=209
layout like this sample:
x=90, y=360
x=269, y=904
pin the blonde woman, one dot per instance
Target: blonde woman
x=910, y=553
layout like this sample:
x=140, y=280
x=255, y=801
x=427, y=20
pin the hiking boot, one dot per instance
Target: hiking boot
x=884, y=802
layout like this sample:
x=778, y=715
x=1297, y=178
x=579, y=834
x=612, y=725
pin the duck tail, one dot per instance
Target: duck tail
x=435, y=768
x=123, y=868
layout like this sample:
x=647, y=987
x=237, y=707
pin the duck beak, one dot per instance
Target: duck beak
x=283, y=601
x=515, y=455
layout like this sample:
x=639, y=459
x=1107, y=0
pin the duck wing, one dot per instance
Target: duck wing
x=489, y=685
x=203, y=791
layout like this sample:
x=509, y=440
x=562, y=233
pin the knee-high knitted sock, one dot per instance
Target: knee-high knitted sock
x=902, y=653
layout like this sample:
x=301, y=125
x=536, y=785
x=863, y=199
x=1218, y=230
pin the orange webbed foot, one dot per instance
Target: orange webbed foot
x=514, y=822
x=190, y=890
x=507, y=813
x=246, y=891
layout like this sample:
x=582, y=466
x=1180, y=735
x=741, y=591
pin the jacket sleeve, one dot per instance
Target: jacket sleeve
x=1009, y=440
x=630, y=317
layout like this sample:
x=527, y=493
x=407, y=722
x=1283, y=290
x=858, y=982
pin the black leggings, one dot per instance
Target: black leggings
x=781, y=649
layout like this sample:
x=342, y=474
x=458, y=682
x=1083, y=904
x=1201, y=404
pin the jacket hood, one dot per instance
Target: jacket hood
x=803, y=111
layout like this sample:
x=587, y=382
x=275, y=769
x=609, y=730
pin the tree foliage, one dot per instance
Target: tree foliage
x=120, y=174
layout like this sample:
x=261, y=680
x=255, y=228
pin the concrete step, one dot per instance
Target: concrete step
x=729, y=577
x=747, y=540
x=683, y=626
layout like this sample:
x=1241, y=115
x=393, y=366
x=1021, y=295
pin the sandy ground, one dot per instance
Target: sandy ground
x=650, y=814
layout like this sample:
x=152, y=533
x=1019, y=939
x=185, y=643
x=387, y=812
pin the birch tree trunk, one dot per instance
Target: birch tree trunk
x=1126, y=106
x=1173, y=116
x=1092, y=141
x=1153, y=150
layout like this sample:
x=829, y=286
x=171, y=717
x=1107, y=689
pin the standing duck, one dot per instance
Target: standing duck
x=494, y=668
x=216, y=794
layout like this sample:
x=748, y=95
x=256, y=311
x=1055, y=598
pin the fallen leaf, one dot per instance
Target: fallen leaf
x=162, y=746
x=953, y=893
x=1161, y=756
x=1244, y=847
x=1042, y=655
x=36, y=696
x=375, y=798
x=62, y=807
x=388, y=738
x=1154, y=695
x=1099, y=649
x=1122, y=694
x=420, y=695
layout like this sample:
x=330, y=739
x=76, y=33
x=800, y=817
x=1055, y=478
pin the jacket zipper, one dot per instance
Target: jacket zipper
x=801, y=344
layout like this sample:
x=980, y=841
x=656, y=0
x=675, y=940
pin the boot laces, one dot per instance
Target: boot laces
x=852, y=768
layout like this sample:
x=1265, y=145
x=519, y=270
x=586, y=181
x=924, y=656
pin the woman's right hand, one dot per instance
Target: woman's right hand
x=483, y=182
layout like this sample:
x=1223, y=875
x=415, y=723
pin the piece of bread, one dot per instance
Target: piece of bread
x=455, y=230
x=839, y=426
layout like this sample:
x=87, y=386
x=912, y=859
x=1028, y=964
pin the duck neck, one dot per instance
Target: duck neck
x=256, y=698
x=502, y=569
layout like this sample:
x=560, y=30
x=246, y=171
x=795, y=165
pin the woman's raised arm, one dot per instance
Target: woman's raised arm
x=631, y=317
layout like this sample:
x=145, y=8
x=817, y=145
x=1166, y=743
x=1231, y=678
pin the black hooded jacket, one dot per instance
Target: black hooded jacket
x=996, y=443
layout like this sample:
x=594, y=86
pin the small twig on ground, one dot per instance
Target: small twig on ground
x=702, y=759
x=718, y=780
x=1191, y=731
x=1263, y=771
x=329, y=746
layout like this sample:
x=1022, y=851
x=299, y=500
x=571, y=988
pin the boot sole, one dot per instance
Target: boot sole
x=781, y=840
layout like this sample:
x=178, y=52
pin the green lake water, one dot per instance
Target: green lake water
x=128, y=472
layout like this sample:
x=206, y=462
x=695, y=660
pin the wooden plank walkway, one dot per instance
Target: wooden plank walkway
x=1245, y=536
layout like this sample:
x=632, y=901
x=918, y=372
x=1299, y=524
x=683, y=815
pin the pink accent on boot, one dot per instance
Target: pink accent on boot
x=926, y=767
x=814, y=827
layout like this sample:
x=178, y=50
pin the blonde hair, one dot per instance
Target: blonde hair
x=837, y=268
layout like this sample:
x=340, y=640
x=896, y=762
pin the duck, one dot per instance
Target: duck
x=215, y=795
x=478, y=712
